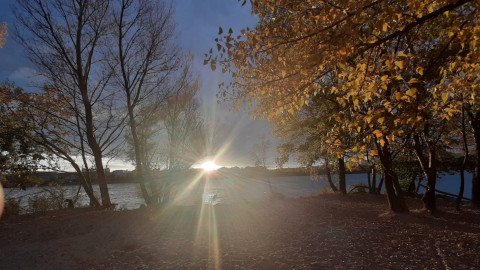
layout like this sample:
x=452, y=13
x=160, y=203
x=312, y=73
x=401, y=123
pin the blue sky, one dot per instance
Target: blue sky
x=197, y=27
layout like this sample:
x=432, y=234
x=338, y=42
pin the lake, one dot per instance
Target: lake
x=128, y=196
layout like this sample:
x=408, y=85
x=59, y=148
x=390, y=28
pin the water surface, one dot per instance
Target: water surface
x=128, y=196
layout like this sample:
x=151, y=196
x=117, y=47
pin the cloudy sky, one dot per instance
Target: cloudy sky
x=197, y=27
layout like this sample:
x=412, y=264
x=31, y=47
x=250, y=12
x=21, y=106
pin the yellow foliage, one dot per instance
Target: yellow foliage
x=3, y=34
x=314, y=52
x=411, y=92
x=400, y=64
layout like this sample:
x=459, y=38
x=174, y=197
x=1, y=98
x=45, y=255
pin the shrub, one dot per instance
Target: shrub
x=40, y=203
x=360, y=188
x=12, y=207
x=53, y=198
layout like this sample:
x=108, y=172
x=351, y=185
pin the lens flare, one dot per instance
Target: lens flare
x=209, y=166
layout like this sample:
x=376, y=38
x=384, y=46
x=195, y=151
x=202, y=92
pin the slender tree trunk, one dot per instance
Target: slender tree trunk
x=138, y=153
x=127, y=87
x=87, y=176
x=87, y=186
x=82, y=151
x=380, y=185
x=429, y=198
x=411, y=186
x=84, y=182
x=369, y=180
x=329, y=177
x=429, y=170
x=93, y=144
x=464, y=163
x=374, y=181
x=394, y=192
x=342, y=176
x=102, y=182
x=273, y=194
x=476, y=176
x=88, y=189
x=462, y=186
x=82, y=77
x=418, y=186
x=391, y=196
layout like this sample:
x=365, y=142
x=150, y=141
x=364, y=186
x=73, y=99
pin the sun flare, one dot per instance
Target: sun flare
x=209, y=166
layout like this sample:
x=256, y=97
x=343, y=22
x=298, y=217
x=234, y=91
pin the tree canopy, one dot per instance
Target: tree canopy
x=399, y=71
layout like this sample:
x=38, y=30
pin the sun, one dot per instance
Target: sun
x=209, y=166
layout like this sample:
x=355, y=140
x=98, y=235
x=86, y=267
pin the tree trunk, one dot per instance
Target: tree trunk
x=429, y=198
x=329, y=177
x=373, y=190
x=380, y=185
x=476, y=176
x=411, y=186
x=394, y=192
x=97, y=154
x=418, y=185
x=341, y=176
x=429, y=169
x=93, y=144
x=87, y=177
x=369, y=180
x=88, y=189
x=464, y=163
x=84, y=182
x=138, y=153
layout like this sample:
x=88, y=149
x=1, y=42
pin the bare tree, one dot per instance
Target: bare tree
x=142, y=59
x=260, y=157
x=171, y=129
x=64, y=39
x=260, y=151
x=181, y=120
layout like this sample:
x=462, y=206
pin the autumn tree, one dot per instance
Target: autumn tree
x=47, y=115
x=20, y=155
x=376, y=52
x=311, y=133
x=460, y=81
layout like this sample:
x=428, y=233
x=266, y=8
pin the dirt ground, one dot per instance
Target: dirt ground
x=326, y=232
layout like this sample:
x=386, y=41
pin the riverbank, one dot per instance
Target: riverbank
x=329, y=231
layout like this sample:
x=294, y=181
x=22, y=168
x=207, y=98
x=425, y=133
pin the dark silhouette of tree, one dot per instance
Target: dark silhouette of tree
x=143, y=59
x=64, y=39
